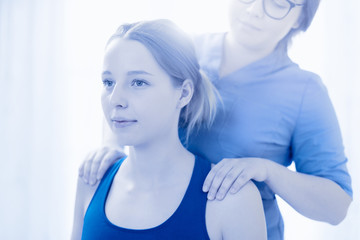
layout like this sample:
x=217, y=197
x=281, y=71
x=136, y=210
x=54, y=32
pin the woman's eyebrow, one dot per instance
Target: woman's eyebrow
x=106, y=73
x=130, y=73
x=138, y=72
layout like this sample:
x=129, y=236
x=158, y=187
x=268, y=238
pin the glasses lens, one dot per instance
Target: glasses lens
x=277, y=9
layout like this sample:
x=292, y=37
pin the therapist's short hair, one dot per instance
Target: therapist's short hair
x=307, y=15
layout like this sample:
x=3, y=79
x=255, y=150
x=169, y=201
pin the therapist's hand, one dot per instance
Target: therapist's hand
x=97, y=162
x=230, y=174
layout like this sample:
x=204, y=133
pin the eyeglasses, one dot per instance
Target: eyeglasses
x=275, y=9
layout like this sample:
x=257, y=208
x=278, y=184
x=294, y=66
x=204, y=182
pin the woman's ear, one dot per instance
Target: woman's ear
x=187, y=91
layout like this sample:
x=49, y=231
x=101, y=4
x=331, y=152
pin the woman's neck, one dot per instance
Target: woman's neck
x=236, y=55
x=155, y=163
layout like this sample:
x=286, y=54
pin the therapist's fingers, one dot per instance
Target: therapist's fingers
x=87, y=169
x=81, y=169
x=239, y=182
x=210, y=177
x=217, y=180
x=83, y=166
x=95, y=164
x=230, y=178
x=93, y=171
x=108, y=160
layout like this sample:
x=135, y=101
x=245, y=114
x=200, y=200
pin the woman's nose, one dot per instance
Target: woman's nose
x=118, y=97
x=256, y=9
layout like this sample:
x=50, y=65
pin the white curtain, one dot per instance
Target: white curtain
x=33, y=175
x=50, y=61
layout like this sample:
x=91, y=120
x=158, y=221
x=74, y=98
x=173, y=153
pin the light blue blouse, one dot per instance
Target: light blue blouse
x=271, y=109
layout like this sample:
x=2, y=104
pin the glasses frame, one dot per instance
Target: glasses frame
x=292, y=5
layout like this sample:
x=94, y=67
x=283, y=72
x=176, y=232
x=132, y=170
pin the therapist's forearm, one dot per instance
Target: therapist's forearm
x=314, y=197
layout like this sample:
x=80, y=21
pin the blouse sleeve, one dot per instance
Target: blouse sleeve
x=317, y=146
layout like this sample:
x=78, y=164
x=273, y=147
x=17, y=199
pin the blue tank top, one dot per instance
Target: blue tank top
x=187, y=222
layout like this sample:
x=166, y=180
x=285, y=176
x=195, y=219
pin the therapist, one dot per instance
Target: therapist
x=273, y=113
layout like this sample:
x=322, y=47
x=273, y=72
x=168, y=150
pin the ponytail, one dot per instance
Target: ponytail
x=201, y=110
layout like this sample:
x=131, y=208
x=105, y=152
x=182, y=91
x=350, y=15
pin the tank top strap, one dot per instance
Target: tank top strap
x=102, y=190
x=192, y=204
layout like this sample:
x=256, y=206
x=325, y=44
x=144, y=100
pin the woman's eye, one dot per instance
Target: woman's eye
x=108, y=83
x=138, y=83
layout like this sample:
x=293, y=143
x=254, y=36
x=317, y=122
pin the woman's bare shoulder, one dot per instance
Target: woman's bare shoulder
x=237, y=216
x=84, y=194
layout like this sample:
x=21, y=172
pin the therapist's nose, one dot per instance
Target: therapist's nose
x=256, y=9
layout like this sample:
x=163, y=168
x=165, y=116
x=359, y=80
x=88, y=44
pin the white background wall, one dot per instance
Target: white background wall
x=50, y=61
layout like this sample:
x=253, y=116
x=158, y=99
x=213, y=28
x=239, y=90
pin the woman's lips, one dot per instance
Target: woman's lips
x=123, y=123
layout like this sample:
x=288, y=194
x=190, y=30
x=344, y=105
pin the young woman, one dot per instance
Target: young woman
x=153, y=85
x=274, y=114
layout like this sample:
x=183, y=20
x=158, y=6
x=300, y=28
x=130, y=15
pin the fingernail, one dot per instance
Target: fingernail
x=92, y=182
x=86, y=181
x=210, y=197
x=219, y=197
x=205, y=188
